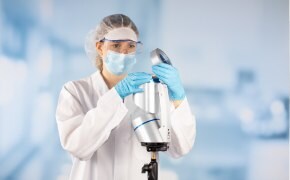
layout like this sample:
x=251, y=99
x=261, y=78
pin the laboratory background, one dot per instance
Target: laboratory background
x=232, y=56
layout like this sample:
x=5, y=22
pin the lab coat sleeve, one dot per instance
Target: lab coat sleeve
x=82, y=133
x=183, y=130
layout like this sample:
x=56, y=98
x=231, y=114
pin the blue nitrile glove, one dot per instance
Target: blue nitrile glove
x=131, y=83
x=169, y=75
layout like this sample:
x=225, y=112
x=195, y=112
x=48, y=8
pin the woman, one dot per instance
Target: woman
x=94, y=114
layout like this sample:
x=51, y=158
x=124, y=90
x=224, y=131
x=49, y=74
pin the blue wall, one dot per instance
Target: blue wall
x=232, y=57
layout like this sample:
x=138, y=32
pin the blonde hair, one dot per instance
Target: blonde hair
x=99, y=62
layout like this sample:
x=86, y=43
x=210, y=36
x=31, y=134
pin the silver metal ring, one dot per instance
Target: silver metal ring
x=158, y=56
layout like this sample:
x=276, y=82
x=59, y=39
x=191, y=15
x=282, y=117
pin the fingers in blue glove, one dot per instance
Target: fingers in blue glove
x=139, y=78
x=137, y=90
x=139, y=82
x=139, y=75
x=163, y=74
x=170, y=76
x=131, y=83
x=165, y=67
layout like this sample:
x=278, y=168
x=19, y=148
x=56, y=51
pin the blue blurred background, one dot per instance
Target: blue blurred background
x=232, y=56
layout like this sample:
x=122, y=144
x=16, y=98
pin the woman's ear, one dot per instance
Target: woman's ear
x=99, y=48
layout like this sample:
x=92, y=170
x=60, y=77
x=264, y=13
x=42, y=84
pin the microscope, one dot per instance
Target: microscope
x=152, y=127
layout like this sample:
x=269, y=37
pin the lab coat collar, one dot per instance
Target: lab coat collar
x=99, y=83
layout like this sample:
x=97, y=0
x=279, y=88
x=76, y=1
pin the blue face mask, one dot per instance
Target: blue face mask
x=118, y=63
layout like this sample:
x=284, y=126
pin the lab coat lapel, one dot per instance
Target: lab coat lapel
x=99, y=85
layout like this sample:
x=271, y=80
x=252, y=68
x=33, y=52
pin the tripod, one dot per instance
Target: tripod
x=151, y=168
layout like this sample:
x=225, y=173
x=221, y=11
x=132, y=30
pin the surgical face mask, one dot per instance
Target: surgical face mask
x=118, y=63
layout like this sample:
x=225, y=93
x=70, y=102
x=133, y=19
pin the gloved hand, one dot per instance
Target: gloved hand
x=131, y=83
x=169, y=75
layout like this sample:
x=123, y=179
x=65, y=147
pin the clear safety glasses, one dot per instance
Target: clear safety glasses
x=123, y=46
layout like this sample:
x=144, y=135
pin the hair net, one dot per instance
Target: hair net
x=117, y=26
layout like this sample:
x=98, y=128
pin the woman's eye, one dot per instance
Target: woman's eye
x=116, y=45
x=132, y=46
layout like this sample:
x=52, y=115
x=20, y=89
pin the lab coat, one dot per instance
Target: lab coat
x=94, y=126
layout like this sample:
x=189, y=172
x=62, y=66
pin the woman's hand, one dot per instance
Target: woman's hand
x=131, y=83
x=169, y=75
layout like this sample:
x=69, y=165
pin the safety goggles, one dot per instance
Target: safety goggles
x=124, y=46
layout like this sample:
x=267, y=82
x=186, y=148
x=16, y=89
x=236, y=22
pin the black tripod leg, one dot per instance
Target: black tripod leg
x=153, y=175
x=151, y=169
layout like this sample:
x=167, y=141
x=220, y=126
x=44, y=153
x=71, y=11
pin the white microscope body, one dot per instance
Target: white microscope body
x=152, y=127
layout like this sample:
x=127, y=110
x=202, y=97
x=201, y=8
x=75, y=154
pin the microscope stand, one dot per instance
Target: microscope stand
x=151, y=168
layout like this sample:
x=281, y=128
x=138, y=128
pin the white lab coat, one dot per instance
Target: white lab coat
x=94, y=126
